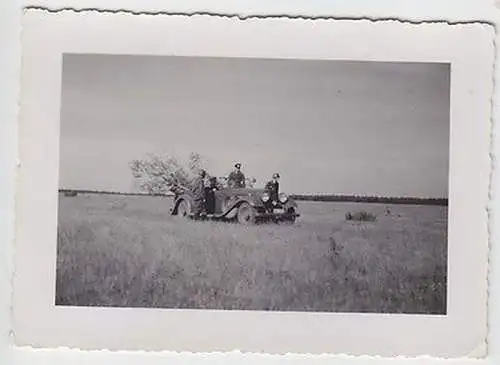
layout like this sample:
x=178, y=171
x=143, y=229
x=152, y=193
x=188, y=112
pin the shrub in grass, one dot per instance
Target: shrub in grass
x=362, y=216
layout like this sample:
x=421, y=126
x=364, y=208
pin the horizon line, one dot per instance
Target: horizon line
x=304, y=195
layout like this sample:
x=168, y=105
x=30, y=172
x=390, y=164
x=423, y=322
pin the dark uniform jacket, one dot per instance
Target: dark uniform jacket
x=198, y=190
x=210, y=190
x=273, y=188
x=236, y=179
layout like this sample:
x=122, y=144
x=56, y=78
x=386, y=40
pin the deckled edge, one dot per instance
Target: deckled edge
x=495, y=92
x=374, y=19
x=15, y=179
x=478, y=353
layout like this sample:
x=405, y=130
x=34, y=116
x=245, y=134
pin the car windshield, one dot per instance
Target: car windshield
x=223, y=182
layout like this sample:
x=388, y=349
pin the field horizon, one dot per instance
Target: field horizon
x=352, y=198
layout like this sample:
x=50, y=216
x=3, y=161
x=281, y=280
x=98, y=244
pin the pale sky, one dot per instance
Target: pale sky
x=326, y=126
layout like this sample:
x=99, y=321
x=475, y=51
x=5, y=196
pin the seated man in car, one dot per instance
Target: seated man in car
x=236, y=178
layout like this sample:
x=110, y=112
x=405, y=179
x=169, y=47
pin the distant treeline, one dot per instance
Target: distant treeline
x=303, y=197
x=370, y=199
x=78, y=191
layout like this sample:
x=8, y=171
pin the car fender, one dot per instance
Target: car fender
x=234, y=205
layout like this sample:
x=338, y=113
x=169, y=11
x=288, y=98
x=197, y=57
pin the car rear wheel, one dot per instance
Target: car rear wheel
x=246, y=214
x=184, y=209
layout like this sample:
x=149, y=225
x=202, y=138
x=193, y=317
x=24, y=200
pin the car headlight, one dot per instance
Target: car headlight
x=265, y=197
x=283, y=198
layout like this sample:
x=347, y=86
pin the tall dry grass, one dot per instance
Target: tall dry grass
x=128, y=251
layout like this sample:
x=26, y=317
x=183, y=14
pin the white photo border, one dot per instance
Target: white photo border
x=37, y=322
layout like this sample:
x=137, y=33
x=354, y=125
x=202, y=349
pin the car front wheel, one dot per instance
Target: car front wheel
x=291, y=216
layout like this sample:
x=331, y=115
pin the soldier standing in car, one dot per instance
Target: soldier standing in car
x=198, y=190
x=210, y=190
x=236, y=178
x=273, y=187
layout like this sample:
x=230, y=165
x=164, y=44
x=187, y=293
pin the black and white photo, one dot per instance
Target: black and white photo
x=335, y=174
x=271, y=185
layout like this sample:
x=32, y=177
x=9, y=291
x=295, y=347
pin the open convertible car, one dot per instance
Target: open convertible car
x=246, y=205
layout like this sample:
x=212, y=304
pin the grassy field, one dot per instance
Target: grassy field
x=128, y=251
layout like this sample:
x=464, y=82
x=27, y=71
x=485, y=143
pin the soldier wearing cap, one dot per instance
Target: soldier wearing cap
x=273, y=187
x=236, y=178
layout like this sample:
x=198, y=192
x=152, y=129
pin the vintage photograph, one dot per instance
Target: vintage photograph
x=258, y=184
x=268, y=185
